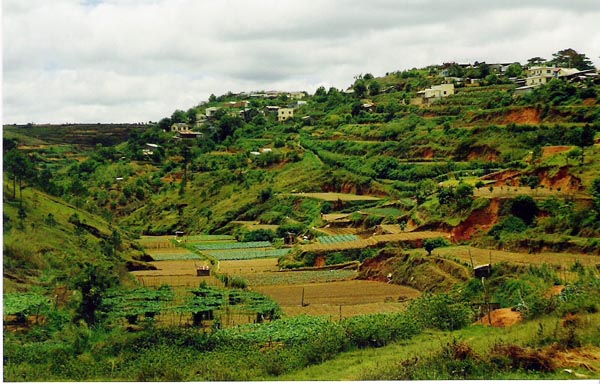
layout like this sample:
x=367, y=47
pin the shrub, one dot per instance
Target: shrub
x=440, y=311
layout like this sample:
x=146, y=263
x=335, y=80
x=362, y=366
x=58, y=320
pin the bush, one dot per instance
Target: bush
x=440, y=311
x=379, y=329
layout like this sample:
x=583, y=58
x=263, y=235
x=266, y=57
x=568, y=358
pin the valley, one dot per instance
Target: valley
x=369, y=225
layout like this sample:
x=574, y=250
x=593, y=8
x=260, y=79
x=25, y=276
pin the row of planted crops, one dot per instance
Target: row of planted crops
x=132, y=305
x=220, y=247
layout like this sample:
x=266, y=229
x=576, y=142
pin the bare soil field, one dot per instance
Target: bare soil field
x=246, y=267
x=354, y=296
x=176, y=273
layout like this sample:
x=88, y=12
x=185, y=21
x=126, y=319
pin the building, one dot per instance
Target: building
x=188, y=134
x=284, y=114
x=149, y=149
x=537, y=76
x=436, y=92
x=178, y=127
x=210, y=112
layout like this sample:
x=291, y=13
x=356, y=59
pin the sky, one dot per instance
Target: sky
x=103, y=61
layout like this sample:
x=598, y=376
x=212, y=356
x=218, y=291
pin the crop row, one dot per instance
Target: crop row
x=200, y=238
x=175, y=256
x=246, y=254
x=249, y=244
x=300, y=277
x=337, y=238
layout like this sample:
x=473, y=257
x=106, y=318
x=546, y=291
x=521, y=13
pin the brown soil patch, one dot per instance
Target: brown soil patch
x=503, y=317
x=484, y=153
x=553, y=150
x=479, y=220
x=562, y=179
x=589, y=102
x=501, y=176
x=554, y=291
x=320, y=261
x=428, y=154
x=522, y=116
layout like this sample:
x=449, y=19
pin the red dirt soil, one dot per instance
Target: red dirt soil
x=522, y=116
x=481, y=219
x=503, y=317
x=553, y=150
x=484, y=153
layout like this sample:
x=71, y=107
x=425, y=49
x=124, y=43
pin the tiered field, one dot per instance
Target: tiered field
x=326, y=292
x=340, y=298
x=483, y=256
x=244, y=254
x=374, y=240
x=336, y=239
x=333, y=196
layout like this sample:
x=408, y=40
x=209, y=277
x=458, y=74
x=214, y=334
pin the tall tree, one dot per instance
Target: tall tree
x=535, y=61
x=570, y=58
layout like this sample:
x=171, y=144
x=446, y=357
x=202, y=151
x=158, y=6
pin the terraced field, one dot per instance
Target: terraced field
x=374, y=241
x=333, y=196
x=483, y=256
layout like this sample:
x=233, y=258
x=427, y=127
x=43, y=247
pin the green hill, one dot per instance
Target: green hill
x=485, y=167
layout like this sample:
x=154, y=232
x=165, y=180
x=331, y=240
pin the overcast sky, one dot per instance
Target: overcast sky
x=138, y=60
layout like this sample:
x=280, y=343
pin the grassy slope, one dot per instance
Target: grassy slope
x=369, y=363
x=39, y=253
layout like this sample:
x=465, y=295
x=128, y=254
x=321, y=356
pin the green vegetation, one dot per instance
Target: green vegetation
x=488, y=166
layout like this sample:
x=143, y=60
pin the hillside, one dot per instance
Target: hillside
x=369, y=207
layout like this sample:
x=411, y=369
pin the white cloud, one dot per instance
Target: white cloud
x=138, y=60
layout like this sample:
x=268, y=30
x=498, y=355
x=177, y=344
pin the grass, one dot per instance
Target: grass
x=365, y=364
x=333, y=196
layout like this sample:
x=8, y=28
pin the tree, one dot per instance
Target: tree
x=179, y=116
x=165, y=124
x=571, y=59
x=92, y=281
x=464, y=195
x=19, y=168
x=587, y=139
x=431, y=244
x=525, y=208
x=374, y=88
x=514, y=70
x=595, y=191
x=535, y=61
x=360, y=88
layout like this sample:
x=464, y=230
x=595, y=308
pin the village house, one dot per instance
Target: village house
x=284, y=114
x=540, y=75
x=210, y=111
x=178, y=127
x=537, y=76
x=270, y=109
x=149, y=149
x=237, y=104
x=436, y=92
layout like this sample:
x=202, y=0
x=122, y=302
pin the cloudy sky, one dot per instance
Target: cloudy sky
x=139, y=60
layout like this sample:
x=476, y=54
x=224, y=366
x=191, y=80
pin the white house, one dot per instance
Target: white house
x=537, y=76
x=436, y=92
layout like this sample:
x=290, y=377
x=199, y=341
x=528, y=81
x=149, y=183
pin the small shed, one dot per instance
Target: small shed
x=179, y=233
x=203, y=271
x=484, y=270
